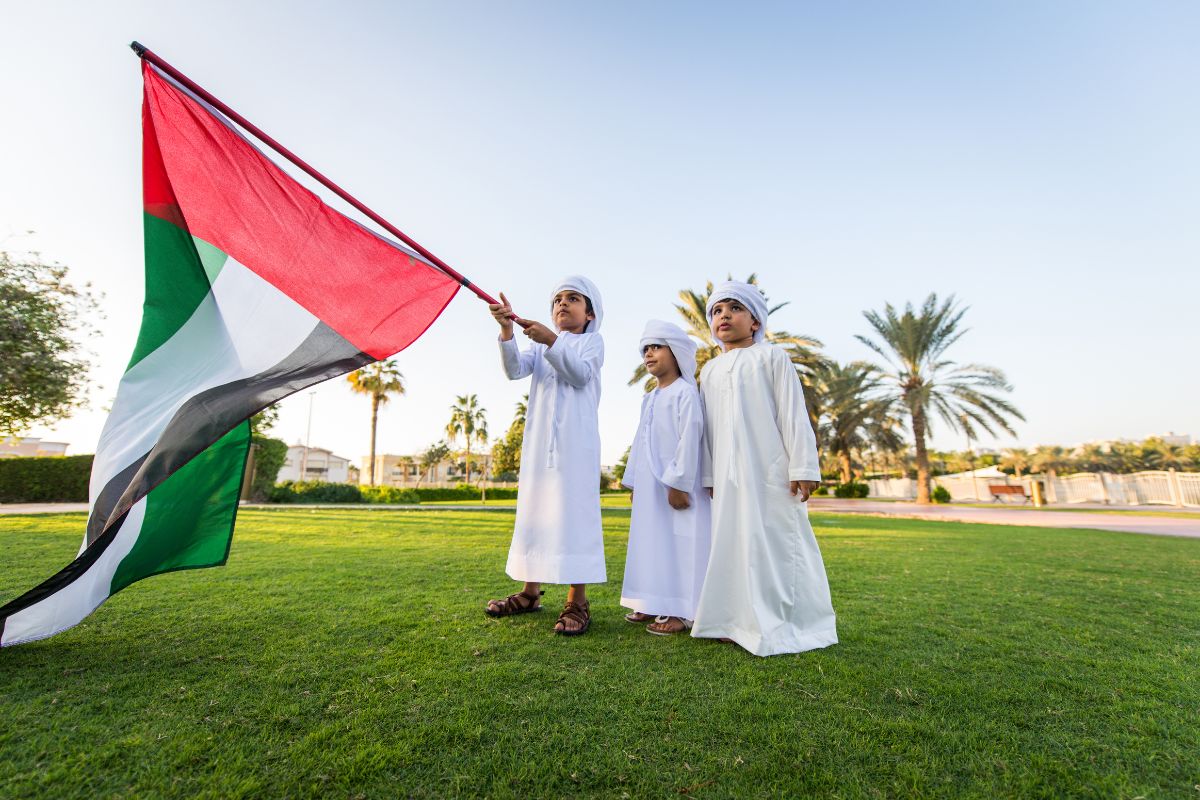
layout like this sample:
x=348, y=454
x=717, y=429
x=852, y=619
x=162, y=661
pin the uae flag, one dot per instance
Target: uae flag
x=255, y=289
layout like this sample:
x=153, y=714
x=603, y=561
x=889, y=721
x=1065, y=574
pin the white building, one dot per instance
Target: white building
x=12, y=447
x=320, y=465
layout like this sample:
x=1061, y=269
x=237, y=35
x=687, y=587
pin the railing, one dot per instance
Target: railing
x=1156, y=487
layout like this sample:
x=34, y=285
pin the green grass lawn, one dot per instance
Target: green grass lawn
x=345, y=654
x=615, y=500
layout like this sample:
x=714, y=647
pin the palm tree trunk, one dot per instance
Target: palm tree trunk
x=374, y=419
x=918, y=427
x=468, y=460
x=844, y=460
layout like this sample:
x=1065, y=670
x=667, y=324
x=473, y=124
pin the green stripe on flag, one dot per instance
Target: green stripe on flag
x=189, y=516
x=179, y=274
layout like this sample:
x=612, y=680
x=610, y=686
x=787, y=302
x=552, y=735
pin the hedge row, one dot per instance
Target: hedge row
x=325, y=492
x=46, y=479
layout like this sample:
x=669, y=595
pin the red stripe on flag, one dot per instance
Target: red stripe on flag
x=230, y=195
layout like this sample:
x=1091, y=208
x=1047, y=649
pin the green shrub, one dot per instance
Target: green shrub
x=49, y=479
x=822, y=491
x=391, y=495
x=851, y=490
x=269, y=455
x=941, y=494
x=315, y=492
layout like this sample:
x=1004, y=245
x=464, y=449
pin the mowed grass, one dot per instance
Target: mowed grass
x=345, y=654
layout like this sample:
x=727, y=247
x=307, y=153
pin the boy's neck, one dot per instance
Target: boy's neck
x=667, y=380
x=739, y=344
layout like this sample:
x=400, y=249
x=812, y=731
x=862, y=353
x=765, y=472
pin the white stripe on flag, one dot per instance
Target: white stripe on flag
x=69, y=605
x=244, y=326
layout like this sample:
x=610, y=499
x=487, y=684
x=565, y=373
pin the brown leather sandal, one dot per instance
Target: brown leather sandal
x=517, y=603
x=575, y=612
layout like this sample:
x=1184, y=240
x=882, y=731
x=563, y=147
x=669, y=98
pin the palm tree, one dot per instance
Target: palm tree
x=406, y=464
x=1016, y=459
x=468, y=420
x=802, y=349
x=924, y=381
x=850, y=410
x=1049, y=459
x=432, y=456
x=379, y=380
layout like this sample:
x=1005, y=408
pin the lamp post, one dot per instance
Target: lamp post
x=307, y=439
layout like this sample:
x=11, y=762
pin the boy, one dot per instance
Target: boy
x=557, y=536
x=766, y=588
x=669, y=529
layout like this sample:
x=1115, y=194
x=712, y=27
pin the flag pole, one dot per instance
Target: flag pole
x=146, y=54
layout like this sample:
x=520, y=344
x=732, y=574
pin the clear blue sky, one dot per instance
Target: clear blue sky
x=1038, y=160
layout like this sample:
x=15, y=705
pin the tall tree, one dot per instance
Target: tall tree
x=925, y=382
x=1017, y=459
x=851, y=411
x=43, y=373
x=432, y=456
x=506, y=454
x=803, y=350
x=379, y=381
x=468, y=420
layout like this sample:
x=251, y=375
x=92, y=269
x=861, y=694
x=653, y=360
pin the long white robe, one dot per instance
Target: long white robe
x=668, y=549
x=557, y=536
x=766, y=586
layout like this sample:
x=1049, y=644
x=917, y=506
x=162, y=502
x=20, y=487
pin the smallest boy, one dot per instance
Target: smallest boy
x=669, y=531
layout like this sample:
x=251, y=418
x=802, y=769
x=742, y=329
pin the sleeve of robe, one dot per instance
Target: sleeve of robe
x=792, y=417
x=680, y=472
x=634, y=462
x=706, y=465
x=577, y=366
x=517, y=365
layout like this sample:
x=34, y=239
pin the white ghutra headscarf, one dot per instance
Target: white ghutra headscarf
x=748, y=295
x=674, y=337
x=578, y=283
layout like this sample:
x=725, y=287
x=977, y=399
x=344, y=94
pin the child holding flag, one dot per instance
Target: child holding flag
x=557, y=536
x=766, y=587
x=669, y=529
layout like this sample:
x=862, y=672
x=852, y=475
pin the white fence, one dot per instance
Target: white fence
x=1167, y=488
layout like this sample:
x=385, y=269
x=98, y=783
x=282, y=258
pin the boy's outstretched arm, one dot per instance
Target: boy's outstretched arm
x=503, y=314
x=577, y=368
x=791, y=415
x=516, y=364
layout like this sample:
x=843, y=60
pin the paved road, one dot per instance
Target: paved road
x=1123, y=522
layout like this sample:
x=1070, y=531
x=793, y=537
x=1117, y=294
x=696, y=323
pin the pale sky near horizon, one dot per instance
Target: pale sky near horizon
x=1037, y=160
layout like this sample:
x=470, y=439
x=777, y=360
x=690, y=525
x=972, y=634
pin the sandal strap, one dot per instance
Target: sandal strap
x=508, y=604
x=576, y=612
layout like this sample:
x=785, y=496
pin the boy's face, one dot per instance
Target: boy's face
x=732, y=323
x=569, y=311
x=660, y=361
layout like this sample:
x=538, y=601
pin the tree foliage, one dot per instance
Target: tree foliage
x=506, y=453
x=43, y=372
x=468, y=420
x=854, y=414
x=378, y=381
x=925, y=383
x=432, y=456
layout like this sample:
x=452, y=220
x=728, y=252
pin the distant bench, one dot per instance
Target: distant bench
x=998, y=493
